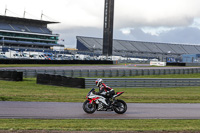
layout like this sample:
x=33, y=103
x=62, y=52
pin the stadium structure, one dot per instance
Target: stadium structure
x=26, y=34
x=137, y=49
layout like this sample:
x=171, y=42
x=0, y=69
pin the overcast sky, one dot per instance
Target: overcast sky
x=173, y=21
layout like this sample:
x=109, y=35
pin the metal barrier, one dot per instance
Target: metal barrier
x=142, y=83
x=106, y=73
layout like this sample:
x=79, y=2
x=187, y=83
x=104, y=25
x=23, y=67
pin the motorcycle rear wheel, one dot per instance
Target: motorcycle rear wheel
x=120, y=106
x=89, y=108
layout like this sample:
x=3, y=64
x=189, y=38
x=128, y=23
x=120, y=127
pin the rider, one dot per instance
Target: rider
x=104, y=90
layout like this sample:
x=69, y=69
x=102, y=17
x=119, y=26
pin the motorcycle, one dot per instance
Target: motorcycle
x=98, y=103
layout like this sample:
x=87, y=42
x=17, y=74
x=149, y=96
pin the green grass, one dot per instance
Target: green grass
x=100, y=125
x=28, y=90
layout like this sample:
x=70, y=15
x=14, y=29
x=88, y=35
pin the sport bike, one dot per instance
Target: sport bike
x=98, y=103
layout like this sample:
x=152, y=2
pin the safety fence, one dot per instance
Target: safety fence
x=140, y=82
x=105, y=73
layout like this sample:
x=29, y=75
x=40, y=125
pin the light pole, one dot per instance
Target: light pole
x=108, y=28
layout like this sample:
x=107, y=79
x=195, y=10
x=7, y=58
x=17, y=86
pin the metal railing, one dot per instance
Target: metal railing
x=148, y=83
x=106, y=73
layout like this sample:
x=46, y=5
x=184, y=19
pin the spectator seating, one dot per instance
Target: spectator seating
x=24, y=28
x=121, y=46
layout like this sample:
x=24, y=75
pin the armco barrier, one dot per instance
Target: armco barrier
x=59, y=80
x=140, y=82
x=106, y=73
x=11, y=75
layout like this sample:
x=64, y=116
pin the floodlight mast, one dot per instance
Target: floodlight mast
x=5, y=10
x=108, y=28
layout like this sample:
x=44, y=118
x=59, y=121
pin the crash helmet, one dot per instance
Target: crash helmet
x=98, y=82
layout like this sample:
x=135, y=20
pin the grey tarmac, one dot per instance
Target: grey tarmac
x=62, y=110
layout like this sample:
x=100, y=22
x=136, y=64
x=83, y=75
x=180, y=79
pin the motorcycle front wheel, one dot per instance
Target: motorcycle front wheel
x=120, y=106
x=89, y=108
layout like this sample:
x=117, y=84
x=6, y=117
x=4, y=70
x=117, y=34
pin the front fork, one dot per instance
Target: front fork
x=91, y=103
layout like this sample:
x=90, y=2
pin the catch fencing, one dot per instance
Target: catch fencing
x=105, y=73
x=142, y=83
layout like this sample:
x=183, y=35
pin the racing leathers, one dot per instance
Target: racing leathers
x=106, y=92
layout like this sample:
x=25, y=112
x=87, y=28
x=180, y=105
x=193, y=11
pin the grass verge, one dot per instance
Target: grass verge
x=99, y=125
x=28, y=90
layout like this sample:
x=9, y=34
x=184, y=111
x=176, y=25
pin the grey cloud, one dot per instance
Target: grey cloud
x=141, y=36
x=165, y=13
x=182, y=35
x=69, y=35
x=187, y=35
x=124, y=22
x=179, y=35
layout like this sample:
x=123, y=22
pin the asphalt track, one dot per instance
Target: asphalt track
x=57, y=110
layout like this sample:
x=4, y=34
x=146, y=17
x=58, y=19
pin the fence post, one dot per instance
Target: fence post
x=117, y=73
x=131, y=72
x=35, y=73
x=96, y=73
x=72, y=73
x=125, y=83
x=80, y=73
x=88, y=73
x=26, y=73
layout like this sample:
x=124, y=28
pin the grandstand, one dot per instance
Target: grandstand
x=23, y=33
x=137, y=48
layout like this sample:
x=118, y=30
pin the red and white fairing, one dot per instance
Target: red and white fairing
x=97, y=98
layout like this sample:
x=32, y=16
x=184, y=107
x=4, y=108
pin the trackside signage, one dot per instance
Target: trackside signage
x=157, y=63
